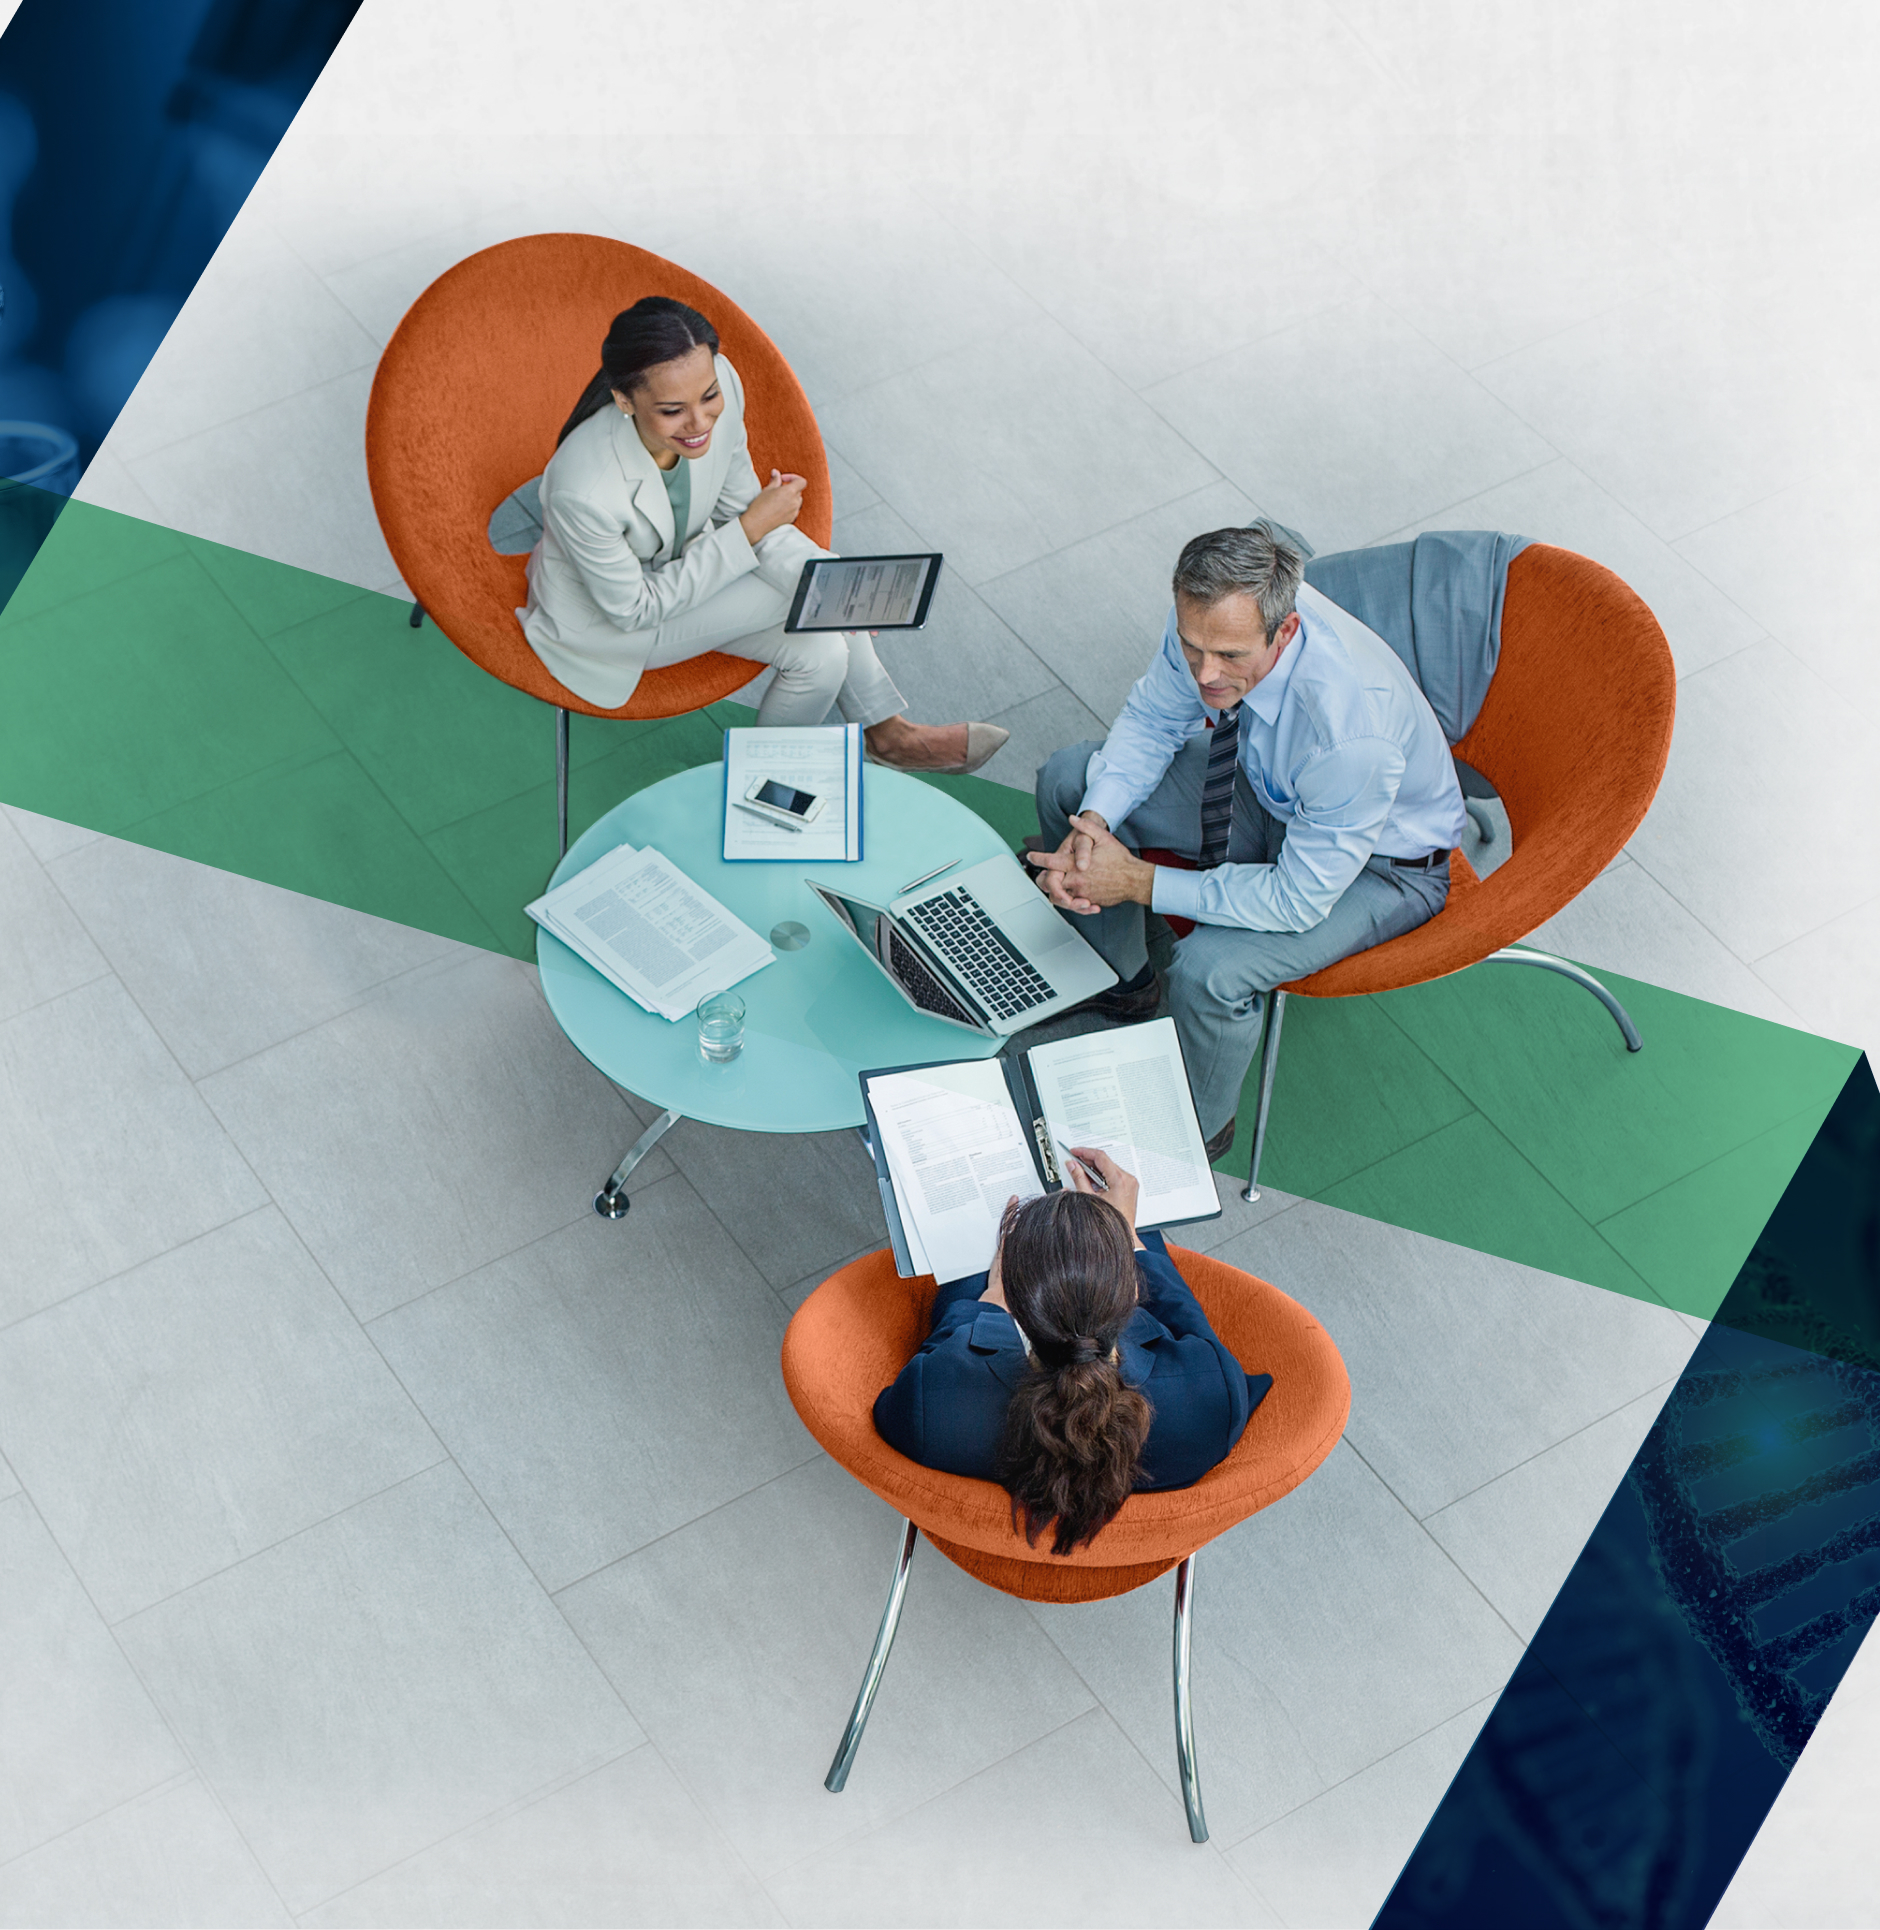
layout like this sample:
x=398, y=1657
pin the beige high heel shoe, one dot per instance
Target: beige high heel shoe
x=983, y=743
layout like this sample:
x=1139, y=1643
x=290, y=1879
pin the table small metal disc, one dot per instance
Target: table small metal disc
x=789, y=936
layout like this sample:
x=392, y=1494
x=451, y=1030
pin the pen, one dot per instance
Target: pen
x=765, y=815
x=925, y=876
x=1095, y=1178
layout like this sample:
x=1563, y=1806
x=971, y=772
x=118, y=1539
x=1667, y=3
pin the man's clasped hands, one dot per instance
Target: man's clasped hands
x=1093, y=869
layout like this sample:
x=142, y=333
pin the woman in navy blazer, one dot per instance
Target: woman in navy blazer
x=1078, y=1369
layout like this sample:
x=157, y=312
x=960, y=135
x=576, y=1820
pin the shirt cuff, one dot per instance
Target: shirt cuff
x=1109, y=797
x=1176, y=891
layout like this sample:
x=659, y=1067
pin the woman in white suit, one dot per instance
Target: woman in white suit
x=659, y=543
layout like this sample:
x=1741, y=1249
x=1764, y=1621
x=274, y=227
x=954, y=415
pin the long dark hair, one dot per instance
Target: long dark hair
x=1074, y=1432
x=655, y=329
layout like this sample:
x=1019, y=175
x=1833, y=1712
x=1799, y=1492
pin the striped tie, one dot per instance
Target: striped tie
x=1217, y=792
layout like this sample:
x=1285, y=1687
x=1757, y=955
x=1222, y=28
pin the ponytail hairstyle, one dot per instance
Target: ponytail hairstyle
x=655, y=329
x=1074, y=1432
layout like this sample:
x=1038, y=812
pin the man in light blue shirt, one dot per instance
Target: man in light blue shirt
x=1284, y=750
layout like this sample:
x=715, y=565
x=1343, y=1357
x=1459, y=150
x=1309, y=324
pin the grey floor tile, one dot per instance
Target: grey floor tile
x=1461, y=1364
x=792, y=1201
x=170, y=1860
x=197, y=1408
x=223, y=965
x=606, y=1385
x=1237, y=1215
x=798, y=1291
x=1559, y=504
x=381, y=1681
x=1331, y=1862
x=1517, y=1536
x=440, y=1124
x=739, y=1643
x=46, y=838
x=9, y=1485
x=81, y=1734
x=1348, y=426
x=965, y=663
x=1328, y=1631
x=1748, y=729
x=1626, y=921
x=107, y=1155
x=1072, y=1831
x=1828, y=978
x=107, y=484
x=1094, y=611
x=1012, y=479
x=852, y=490
x=43, y=948
x=1038, y=728
x=623, y=1845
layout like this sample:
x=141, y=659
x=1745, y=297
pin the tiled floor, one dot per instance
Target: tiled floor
x=389, y=1540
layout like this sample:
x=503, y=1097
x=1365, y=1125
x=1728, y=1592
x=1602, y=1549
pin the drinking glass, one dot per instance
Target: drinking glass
x=720, y=1027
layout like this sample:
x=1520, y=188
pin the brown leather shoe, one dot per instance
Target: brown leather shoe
x=1219, y=1146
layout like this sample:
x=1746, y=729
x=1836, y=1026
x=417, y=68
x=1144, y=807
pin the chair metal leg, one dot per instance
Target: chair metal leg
x=417, y=616
x=610, y=1202
x=1520, y=955
x=561, y=779
x=1269, y=1063
x=871, y=1677
x=1184, y=1707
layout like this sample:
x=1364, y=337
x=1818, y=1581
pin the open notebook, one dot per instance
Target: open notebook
x=954, y=1141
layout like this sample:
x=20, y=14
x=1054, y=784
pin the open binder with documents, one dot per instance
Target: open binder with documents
x=826, y=761
x=954, y=1141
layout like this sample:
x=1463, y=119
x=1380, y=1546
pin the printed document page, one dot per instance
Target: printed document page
x=641, y=922
x=1126, y=1091
x=957, y=1152
x=825, y=760
x=864, y=592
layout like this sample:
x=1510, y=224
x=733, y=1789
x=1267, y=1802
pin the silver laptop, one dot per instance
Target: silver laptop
x=983, y=949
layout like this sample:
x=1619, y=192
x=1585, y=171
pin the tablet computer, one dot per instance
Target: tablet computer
x=864, y=593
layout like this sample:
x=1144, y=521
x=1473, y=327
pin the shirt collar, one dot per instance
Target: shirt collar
x=1266, y=697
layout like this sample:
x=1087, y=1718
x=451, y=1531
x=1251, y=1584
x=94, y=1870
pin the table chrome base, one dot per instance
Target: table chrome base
x=611, y=1202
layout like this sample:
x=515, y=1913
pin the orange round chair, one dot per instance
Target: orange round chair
x=856, y=1332
x=1573, y=735
x=470, y=393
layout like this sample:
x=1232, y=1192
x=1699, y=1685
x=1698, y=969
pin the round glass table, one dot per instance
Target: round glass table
x=816, y=1016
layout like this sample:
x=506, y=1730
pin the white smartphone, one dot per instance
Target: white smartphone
x=783, y=803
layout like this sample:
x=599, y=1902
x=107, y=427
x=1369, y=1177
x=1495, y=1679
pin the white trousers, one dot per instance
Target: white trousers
x=815, y=668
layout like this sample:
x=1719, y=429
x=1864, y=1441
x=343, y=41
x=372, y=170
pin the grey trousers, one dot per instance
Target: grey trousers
x=1218, y=984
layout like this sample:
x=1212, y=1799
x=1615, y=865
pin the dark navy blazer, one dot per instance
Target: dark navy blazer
x=947, y=1408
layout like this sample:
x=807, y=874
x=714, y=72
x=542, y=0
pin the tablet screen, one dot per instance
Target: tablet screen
x=865, y=593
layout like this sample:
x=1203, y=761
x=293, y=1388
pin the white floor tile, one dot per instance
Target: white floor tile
x=379, y=1682
x=206, y=1404
x=623, y=1845
x=1349, y=426
x=1052, y=448
x=1517, y=1536
x=1331, y=1863
x=581, y=1383
x=1071, y=1831
x=109, y=485
x=1829, y=978
x=1558, y=504
x=852, y=490
x=1094, y=611
x=1752, y=828
x=223, y=965
x=1329, y=1631
x=107, y=1154
x=443, y=1123
x=170, y=1860
x=1039, y=727
x=43, y=948
x=739, y=1643
x=46, y=838
x=82, y=1736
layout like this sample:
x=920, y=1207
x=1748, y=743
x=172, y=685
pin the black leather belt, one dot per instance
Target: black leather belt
x=1428, y=862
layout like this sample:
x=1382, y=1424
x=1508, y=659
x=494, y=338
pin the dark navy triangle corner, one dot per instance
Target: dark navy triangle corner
x=131, y=132
x=1629, y=1762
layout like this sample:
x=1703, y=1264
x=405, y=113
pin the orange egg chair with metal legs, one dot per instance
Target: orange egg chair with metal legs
x=856, y=1332
x=1573, y=735
x=469, y=396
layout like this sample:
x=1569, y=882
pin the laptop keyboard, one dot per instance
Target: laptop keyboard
x=957, y=927
x=918, y=982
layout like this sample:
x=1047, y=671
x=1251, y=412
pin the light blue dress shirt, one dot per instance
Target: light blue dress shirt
x=1337, y=742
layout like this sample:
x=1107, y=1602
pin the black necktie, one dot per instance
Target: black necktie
x=1217, y=791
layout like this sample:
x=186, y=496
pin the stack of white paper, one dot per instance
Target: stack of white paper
x=825, y=761
x=646, y=927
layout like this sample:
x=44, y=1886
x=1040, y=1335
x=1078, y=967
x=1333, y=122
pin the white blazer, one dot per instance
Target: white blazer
x=604, y=576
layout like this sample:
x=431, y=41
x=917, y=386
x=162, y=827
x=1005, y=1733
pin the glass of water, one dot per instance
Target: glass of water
x=720, y=1027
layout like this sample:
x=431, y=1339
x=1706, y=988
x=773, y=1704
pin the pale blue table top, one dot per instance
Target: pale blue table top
x=815, y=1017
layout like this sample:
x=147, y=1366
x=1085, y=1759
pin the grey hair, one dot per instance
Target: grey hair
x=1260, y=561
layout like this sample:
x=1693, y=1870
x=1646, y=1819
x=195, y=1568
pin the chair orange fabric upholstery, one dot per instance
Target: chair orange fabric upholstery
x=469, y=395
x=861, y=1326
x=1574, y=735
